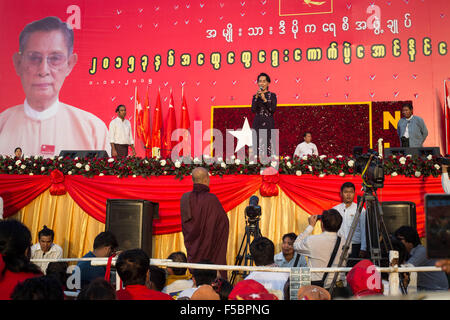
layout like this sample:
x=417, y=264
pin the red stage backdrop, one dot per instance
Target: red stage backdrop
x=316, y=52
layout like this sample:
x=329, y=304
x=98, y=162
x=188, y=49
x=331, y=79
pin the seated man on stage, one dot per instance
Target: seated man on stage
x=204, y=222
x=306, y=147
x=43, y=125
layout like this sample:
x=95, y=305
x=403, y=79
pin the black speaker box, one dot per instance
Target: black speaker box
x=397, y=214
x=131, y=221
x=72, y=154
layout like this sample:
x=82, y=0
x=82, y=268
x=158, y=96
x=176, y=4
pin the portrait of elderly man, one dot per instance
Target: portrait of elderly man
x=43, y=125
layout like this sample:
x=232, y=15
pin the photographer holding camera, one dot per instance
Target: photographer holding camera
x=322, y=250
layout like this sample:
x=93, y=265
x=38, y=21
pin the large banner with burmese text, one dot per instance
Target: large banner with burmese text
x=318, y=53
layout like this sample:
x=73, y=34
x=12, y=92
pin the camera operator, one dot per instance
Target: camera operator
x=319, y=248
x=445, y=179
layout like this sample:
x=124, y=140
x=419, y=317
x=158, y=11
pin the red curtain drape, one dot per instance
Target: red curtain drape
x=312, y=193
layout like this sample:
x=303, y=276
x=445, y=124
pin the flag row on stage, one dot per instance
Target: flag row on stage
x=155, y=136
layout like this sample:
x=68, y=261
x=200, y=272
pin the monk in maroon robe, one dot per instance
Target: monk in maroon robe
x=204, y=223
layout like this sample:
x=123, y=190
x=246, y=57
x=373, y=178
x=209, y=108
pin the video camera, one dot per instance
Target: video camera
x=253, y=211
x=370, y=166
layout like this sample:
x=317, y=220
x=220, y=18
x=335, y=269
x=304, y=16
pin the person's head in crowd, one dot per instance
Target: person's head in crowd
x=250, y=290
x=287, y=247
x=205, y=292
x=223, y=288
x=58, y=270
x=38, y=288
x=44, y=60
x=331, y=220
x=177, y=257
x=347, y=192
x=407, y=110
x=307, y=136
x=204, y=276
x=133, y=267
x=262, y=250
x=15, y=242
x=105, y=244
x=98, y=289
x=121, y=111
x=313, y=292
x=408, y=236
x=157, y=279
x=18, y=152
x=200, y=176
x=364, y=279
x=46, y=237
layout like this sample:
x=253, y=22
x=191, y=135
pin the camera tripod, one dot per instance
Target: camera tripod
x=376, y=231
x=251, y=230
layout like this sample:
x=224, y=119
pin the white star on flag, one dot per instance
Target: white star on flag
x=244, y=136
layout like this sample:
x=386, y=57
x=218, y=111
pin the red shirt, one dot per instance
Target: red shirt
x=10, y=280
x=141, y=292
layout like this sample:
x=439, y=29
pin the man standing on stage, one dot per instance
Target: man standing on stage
x=120, y=134
x=204, y=223
x=411, y=129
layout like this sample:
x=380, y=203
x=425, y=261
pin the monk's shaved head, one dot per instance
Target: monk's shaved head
x=200, y=175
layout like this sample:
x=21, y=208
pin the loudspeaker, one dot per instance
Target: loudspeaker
x=397, y=214
x=131, y=221
x=72, y=154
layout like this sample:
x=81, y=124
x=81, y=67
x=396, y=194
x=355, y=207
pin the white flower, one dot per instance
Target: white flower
x=322, y=157
x=36, y=157
x=177, y=164
x=339, y=156
x=205, y=156
x=31, y=174
x=409, y=156
x=42, y=169
x=417, y=174
x=23, y=166
x=163, y=163
x=78, y=165
x=145, y=161
x=34, y=164
x=287, y=158
x=237, y=162
x=197, y=160
x=437, y=166
x=111, y=160
x=310, y=168
x=394, y=174
x=165, y=172
x=298, y=173
x=274, y=163
x=341, y=174
x=430, y=157
x=52, y=158
x=87, y=167
x=10, y=167
x=60, y=165
x=69, y=173
x=351, y=163
x=233, y=157
x=219, y=159
x=101, y=174
x=331, y=160
x=134, y=176
x=60, y=158
x=321, y=175
x=18, y=162
x=305, y=157
x=289, y=164
x=394, y=157
x=251, y=162
x=223, y=165
x=402, y=160
x=76, y=158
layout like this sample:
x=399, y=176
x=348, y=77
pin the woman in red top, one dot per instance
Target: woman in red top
x=15, y=265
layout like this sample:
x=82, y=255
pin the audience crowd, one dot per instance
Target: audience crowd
x=20, y=279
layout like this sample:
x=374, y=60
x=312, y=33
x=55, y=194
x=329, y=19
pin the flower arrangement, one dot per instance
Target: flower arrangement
x=409, y=166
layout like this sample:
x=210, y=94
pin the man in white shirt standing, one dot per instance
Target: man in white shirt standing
x=348, y=209
x=319, y=248
x=306, y=147
x=45, y=248
x=120, y=134
x=445, y=179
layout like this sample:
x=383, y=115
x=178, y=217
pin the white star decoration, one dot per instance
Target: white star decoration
x=244, y=136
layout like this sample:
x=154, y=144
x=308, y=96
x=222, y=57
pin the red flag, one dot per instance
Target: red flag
x=185, y=124
x=146, y=131
x=157, y=127
x=139, y=113
x=171, y=125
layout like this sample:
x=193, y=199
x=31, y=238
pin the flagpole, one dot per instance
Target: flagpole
x=135, y=104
